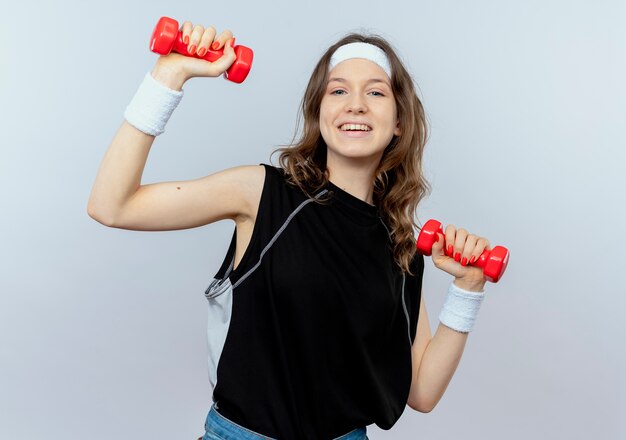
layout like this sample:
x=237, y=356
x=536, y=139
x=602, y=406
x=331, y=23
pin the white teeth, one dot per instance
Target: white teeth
x=361, y=127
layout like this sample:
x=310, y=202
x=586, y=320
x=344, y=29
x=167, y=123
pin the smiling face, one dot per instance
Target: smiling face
x=358, y=115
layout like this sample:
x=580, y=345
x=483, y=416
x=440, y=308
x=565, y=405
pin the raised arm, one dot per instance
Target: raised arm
x=119, y=200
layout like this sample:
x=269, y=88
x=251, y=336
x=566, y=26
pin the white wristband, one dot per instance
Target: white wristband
x=460, y=308
x=152, y=106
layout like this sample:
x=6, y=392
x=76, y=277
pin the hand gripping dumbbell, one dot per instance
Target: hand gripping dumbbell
x=493, y=262
x=166, y=38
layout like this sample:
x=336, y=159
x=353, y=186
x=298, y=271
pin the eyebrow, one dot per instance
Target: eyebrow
x=371, y=80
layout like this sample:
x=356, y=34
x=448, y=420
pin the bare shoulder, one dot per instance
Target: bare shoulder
x=247, y=182
x=240, y=187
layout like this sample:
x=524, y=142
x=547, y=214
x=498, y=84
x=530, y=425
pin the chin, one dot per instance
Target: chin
x=354, y=153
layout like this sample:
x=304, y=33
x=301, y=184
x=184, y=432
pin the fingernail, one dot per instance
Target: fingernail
x=449, y=250
x=186, y=39
x=436, y=238
x=191, y=49
x=201, y=52
x=472, y=259
x=457, y=256
x=215, y=45
x=232, y=42
x=463, y=261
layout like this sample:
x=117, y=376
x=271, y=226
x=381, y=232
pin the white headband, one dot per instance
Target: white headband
x=361, y=50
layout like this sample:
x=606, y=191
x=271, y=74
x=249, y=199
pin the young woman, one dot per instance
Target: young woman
x=316, y=317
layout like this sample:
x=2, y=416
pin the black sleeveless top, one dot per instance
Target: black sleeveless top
x=310, y=336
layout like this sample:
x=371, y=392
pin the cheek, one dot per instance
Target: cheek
x=395, y=118
x=325, y=121
x=325, y=133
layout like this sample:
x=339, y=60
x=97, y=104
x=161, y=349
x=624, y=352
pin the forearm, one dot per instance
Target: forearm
x=121, y=169
x=441, y=358
x=439, y=362
x=119, y=175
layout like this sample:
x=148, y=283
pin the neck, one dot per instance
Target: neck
x=354, y=176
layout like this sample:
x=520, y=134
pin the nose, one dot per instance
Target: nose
x=356, y=104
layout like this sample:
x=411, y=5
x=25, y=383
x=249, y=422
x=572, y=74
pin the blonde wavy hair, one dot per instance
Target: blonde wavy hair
x=399, y=184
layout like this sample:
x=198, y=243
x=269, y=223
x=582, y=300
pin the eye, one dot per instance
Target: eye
x=334, y=92
x=377, y=93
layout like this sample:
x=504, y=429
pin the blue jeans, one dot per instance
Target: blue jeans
x=218, y=427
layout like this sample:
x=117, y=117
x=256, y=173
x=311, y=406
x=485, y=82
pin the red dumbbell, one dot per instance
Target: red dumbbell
x=493, y=262
x=166, y=38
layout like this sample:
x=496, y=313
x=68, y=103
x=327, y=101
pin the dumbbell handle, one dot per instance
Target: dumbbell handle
x=183, y=49
x=493, y=262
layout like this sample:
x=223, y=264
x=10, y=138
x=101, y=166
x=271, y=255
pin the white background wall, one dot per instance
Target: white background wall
x=102, y=331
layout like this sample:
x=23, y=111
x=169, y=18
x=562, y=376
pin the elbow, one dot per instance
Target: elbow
x=423, y=407
x=99, y=216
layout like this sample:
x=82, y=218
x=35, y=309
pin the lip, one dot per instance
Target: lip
x=355, y=123
x=354, y=134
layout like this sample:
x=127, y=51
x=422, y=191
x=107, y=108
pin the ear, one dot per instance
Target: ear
x=396, y=130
